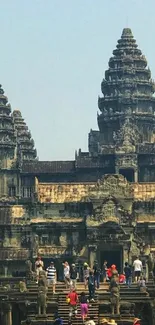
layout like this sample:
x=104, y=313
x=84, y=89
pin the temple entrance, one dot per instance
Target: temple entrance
x=128, y=173
x=112, y=256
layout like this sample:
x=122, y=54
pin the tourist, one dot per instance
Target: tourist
x=86, y=270
x=97, y=274
x=72, y=299
x=84, y=305
x=51, y=276
x=137, y=265
x=136, y=321
x=122, y=278
x=104, y=271
x=142, y=285
x=39, y=264
x=128, y=274
x=103, y=321
x=112, y=322
x=90, y=322
x=112, y=271
x=66, y=274
x=57, y=320
x=73, y=276
x=91, y=286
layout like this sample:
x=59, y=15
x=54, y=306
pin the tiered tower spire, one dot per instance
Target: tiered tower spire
x=25, y=143
x=127, y=96
x=7, y=133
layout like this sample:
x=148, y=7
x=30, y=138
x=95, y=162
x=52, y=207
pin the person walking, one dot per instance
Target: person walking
x=66, y=274
x=73, y=276
x=97, y=274
x=104, y=271
x=51, y=276
x=57, y=320
x=137, y=265
x=39, y=265
x=84, y=306
x=72, y=298
x=91, y=286
x=128, y=274
x=86, y=270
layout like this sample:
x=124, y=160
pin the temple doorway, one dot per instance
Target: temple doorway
x=112, y=256
x=128, y=173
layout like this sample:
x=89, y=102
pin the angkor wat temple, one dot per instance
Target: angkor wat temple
x=100, y=205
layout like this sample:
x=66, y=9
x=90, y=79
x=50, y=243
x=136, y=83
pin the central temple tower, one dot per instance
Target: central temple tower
x=127, y=112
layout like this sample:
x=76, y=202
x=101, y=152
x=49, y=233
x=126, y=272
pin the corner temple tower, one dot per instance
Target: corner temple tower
x=127, y=119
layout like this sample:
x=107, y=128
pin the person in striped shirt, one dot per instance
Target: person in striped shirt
x=51, y=275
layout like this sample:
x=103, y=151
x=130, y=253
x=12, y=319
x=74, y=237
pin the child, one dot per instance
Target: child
x=84, y=305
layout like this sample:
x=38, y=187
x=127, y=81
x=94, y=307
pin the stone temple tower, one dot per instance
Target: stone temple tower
x=25, y=143
x=127, y=113
x=16, y=145
x=7, y=145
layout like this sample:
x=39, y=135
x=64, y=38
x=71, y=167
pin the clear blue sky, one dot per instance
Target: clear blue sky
x=53, y=57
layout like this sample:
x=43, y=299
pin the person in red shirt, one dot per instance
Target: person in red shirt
x=112, y=271
x=73, y=300
x=109, y=273
x=122, y=278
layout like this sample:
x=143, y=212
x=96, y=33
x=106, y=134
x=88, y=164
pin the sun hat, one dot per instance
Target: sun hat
x=112, y=322
x=104, y=321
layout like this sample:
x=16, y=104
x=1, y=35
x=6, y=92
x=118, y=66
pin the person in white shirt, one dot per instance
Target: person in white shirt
x=66, y=274
x=137, y=265
x=39, y=265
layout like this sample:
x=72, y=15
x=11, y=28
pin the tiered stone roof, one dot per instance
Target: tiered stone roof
x=25, y=143
x=7, y=133
x=48, y=167
x=127, y=96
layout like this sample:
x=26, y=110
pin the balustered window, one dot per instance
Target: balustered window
x=27, y=192
x=12, y=191
x=44, y=240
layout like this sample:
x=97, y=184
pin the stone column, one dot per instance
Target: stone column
x=136, y=175
x=7, y=310
x=92, y=255
x=5, y=271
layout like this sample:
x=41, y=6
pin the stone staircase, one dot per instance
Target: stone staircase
x=99, y=309
x=63, y=310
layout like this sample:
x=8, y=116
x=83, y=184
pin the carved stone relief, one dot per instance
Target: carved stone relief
x=127, y=138
x=114, y=185
x=63, y=239
x=126, y=161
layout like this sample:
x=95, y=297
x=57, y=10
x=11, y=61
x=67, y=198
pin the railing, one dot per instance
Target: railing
x=54, y=251
x=13, y=254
